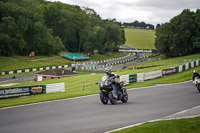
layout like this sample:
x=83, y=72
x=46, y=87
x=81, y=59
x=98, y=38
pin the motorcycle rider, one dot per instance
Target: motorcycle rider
x=195, y=74
x=112, y=75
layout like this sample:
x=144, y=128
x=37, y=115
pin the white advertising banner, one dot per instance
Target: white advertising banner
x=180, y=69
x=10, y=72
x=58, y=87
x=152, y=75
x=197, y=63
x=192, y=64
x=19, y=71
x=125, y=78
x=140, y=77
x=186, y=66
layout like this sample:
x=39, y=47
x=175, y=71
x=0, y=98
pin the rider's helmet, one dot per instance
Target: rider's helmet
x=108, y=70
x=194, y=71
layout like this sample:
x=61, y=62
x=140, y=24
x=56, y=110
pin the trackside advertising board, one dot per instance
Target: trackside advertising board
x=14, y=92
x=31, y=90
x=168, y=71
x=21, y=91
x=152, y=75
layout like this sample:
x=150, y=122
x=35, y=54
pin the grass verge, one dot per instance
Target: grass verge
x=189, y=125
x=25, y=62
x=74, y=87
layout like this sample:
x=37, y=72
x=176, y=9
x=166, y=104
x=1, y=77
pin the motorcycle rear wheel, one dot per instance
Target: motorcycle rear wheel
x=103, y=98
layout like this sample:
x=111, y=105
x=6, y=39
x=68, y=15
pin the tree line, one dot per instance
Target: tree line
x=180, y=36
x=137, y=24
x=50, y=27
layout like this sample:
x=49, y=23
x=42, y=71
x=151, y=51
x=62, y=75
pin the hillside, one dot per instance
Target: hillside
x=140, y=38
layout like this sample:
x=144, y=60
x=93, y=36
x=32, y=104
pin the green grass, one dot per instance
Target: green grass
x=140, y=38
x=189, y=125
x=160, y=63
x=74, y=86
x=99, y=57
x=23, y=62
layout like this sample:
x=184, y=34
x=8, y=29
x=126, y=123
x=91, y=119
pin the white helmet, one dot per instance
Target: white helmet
x=108, y=70
x=194, y=71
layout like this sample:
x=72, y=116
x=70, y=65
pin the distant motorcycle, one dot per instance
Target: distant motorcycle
x=196, y=83
x=108, y=92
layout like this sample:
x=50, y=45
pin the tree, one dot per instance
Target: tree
x=95, y=40
x=196, y=37
x=49, y=27
x=182, y=30
x=177, y=37
x=162, y=39
x=113, y=35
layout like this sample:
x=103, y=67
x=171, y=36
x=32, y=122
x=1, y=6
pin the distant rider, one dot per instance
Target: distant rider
x=195, y=74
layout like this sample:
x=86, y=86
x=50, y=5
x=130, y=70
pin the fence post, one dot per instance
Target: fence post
x=83, y=85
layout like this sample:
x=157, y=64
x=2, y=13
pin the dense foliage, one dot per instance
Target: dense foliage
x=50, y=27
x=137, y=24
x=181, y=36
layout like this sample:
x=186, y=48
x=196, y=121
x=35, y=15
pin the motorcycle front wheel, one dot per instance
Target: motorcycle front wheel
x=113, y=100
x=125, y=96
x=103, y=98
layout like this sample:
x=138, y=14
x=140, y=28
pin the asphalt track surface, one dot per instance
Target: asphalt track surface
x=89, y=115
x=19, y=77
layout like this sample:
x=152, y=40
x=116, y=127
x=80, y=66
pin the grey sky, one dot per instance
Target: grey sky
x=149, y=11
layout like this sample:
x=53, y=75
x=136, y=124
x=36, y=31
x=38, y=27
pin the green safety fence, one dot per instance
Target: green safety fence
x=183, y=68
x=133, y=78
x=190, y=65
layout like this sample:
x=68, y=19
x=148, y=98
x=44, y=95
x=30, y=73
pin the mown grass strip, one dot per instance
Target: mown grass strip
x=25, y=62
x=189, y=125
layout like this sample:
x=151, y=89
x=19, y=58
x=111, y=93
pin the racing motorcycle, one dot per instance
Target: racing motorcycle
x=111, y=90
x=196, y=83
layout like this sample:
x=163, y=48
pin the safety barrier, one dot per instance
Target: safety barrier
x=87, y=65
x=141, y=77
x=34, y=69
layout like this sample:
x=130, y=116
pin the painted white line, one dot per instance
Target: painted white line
x=82, y=96
x=182, y=112
x=48, y=102
x=162, y=119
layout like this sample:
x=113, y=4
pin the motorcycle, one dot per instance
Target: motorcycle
x=111, y=90
x=196, y=83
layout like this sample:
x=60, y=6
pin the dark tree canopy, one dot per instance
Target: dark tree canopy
x=181, y=36
x=50, y=27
